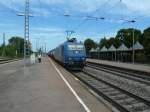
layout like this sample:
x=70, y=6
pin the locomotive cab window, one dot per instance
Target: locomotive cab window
x=76, y=47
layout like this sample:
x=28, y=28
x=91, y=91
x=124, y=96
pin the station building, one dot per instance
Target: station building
x=123, y=53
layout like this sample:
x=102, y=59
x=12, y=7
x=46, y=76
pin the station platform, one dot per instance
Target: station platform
x=138, y=67
x=44, y=87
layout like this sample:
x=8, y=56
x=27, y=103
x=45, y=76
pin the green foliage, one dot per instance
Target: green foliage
x=117, y=42
x=1, y=50
x=10, y=51
x=17, y=43
x=15, y=47
x=110, y=41
x=123, y=36
x=126, y=36
x=103, y=42
x=146, y=42
x=89, y=44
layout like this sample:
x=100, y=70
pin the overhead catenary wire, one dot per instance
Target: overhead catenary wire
x=102, y=6
x=80, y=25
x=124, y=21
x=88, y=17
x=132, y=18
x=116, y=26
x=12, y=6
x=53, y=12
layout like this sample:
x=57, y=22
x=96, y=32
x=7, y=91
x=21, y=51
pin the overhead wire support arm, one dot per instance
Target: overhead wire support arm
x=95, y=18
x=22, y=14
x=129, y=21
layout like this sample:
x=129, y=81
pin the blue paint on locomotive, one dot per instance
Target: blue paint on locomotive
x=71, y=54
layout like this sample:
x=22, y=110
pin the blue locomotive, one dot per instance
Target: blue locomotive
x=71, y=54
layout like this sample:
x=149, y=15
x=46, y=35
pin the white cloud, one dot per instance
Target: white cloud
x=85, y=6
x=48, y=30
x=52, y=36
x=11, y=4
x=40, y=12
x=140, y=6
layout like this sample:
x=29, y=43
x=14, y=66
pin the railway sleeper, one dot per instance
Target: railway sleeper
x=113, y=93
x=120, y=97
x=108, y=90
x=137, y=107
x=127, y=100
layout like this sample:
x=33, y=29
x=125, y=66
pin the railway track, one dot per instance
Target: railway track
x=123, y=100
x=3, y=61
x=137, y=77
x=128, y=91
x=133, y=84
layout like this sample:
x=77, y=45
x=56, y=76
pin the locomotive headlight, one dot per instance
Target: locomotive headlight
x=83, y=58
x=70, y=59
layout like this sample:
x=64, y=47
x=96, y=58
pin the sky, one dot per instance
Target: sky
x=49, y=24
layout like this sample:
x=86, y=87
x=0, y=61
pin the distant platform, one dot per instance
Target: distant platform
x=138, y=67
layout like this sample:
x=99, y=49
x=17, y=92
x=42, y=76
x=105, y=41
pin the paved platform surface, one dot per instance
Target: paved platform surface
x=40, y=88
x=139, y=67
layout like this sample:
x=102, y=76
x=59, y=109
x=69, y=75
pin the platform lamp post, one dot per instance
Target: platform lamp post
x=45, y=47
x=3, y=52
x=98, y=53
x=133, y=51
x=115, y=54
x=122, y=36
x=36, y=43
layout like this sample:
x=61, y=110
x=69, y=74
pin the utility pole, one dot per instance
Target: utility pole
x=122, y=36
x=26, y=28
x=133, y=52
x=45, y=48
x=26, y=15
x=133, y=31
x=37, y=45
x=3, y=53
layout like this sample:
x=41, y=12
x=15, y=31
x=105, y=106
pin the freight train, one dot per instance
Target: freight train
x=71, y=54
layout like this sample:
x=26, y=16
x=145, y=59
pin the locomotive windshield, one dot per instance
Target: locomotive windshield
x=76, y=47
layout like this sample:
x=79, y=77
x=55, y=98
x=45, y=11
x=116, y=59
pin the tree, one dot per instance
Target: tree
x=18, y=44
x=117, y=42
x=10, y=51
x=146, y=42
x=103, y=42
x=126, y=36
x=110, y=41
x=89, y=44
x=16, y=47
x=1, y=49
